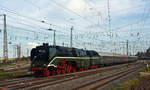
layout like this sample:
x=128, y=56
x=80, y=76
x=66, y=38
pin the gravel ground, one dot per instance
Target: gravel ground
x=144, y=83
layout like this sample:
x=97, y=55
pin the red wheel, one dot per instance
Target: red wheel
x=65, y=68
x=74, y=69
x=86, y=68
x=69, y=67
x=62, y=67
x=63, y=71
x=58, y=72
x=81, y=69
x=46, y=72
x=94, y=66
x=53, y=72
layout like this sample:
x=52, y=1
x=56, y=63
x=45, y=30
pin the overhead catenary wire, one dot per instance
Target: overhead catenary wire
x=46, y=23
x=113, y=29
x=20, y=28
x=29, y=25
x=32, y=19
x=32, y=26
x=31, y=30
x=29, y=18
x=71, y=11
x=118, y=28
x=28, y=38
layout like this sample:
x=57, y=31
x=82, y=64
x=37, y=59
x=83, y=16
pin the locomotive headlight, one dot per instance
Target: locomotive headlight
x=42, y=51
x=35, y=56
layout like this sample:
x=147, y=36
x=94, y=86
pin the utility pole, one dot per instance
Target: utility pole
x=19, y=51
x=27, y=52
x=127, y=45
x=54, y=39
x=5, y=47
x=63, y=44
x=54, y=36
x=71, y=37
x=109, y=18
x=14, y=51
x=123, y=49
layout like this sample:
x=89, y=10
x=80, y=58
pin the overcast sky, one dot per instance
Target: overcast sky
x=28, y=20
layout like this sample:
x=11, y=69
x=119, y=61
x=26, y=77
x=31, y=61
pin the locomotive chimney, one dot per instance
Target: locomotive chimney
x=45, y=44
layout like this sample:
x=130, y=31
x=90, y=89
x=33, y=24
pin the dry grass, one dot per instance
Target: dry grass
x=13, y=74
x=132, y=83
x=129, y=84
x=14, y=64
x=144, y=74
x=8, y=65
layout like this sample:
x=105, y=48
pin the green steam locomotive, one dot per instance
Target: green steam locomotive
x=51, y=60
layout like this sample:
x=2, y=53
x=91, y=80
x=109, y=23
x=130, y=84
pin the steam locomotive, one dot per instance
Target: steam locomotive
x=51, y=60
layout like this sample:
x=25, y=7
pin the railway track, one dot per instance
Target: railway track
x=101, y=83
x=17, y=68
x=81, y=82
x=36, y=83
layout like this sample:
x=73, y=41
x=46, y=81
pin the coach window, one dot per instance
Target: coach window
x=83, y=53
x=80, y=53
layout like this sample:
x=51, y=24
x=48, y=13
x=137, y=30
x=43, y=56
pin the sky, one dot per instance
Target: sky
x=94, y=28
